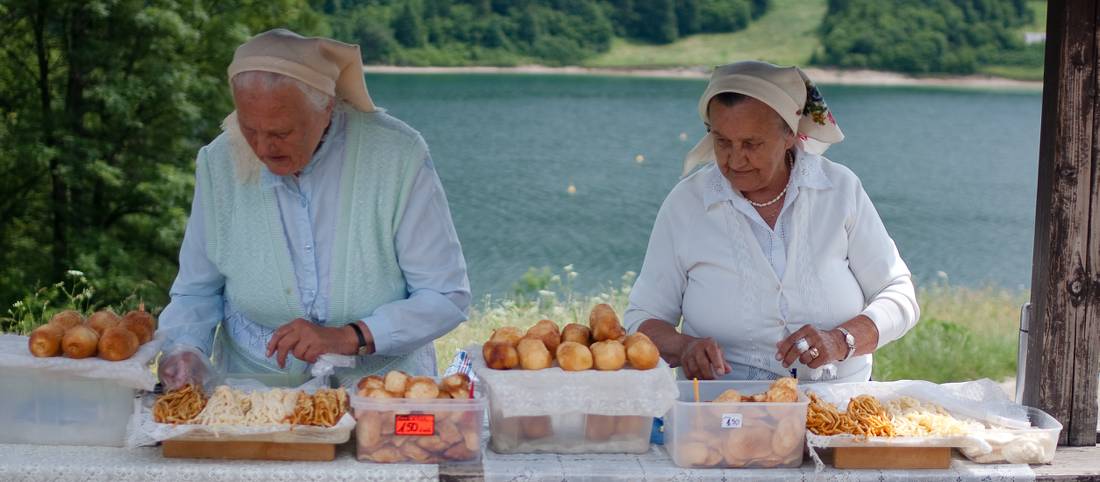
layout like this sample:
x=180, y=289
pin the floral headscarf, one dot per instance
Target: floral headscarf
x=787, y=90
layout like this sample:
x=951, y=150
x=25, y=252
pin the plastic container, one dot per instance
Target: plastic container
x=569, y=434
x=1033, y=445
x=400, y=430
x=729, y=435
x=48, y=408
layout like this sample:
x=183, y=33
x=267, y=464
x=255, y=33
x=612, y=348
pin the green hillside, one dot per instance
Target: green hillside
x=790, y=33
x=787, y=34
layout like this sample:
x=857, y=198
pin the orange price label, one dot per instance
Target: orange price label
x=422, y=424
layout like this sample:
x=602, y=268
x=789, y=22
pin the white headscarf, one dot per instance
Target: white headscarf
x=332, y=67
x=787, y=90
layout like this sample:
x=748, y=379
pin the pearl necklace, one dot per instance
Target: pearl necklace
x=769, y=203
x=790, y=164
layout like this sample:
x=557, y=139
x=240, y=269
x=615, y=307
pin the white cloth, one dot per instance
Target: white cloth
x=787, y=90
x=705, y=263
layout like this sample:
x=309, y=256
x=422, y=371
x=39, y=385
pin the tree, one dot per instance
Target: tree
x=408, y=28
x=659, y=20
x=104, y=106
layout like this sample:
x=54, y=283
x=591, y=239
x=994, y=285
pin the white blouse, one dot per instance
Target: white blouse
x=712, y=261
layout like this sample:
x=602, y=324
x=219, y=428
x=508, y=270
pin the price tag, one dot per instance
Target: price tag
x=731, y=420
x=420, y=424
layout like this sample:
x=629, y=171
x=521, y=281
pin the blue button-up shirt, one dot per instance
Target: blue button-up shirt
x=427, y=247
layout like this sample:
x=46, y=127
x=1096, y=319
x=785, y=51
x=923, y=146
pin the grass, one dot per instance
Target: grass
x=1039, y=23
x=964, y=333
x=784, y=35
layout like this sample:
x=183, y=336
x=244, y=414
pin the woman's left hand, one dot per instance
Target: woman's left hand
x=308, y=341
x=829, y=346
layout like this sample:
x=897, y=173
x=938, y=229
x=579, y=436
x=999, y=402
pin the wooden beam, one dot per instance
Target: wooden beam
x=1064, y=345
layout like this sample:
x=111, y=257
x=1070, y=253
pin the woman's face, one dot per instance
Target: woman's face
x=280, y=125
x=750, y=143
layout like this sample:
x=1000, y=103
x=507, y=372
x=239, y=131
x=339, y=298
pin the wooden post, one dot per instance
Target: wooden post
x=1064, y=349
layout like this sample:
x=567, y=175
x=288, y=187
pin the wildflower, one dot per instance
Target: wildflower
x=74, y=273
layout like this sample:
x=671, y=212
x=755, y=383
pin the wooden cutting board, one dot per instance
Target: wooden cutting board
x=892, y=457
x=184, y=449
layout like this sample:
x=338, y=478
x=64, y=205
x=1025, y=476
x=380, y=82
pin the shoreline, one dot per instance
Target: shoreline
x=820, y=75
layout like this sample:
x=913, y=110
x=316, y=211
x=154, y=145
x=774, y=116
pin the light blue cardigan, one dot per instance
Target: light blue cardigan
x=246, y=242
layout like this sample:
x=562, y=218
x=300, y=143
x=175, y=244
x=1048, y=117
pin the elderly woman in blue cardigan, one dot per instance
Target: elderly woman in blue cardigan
x=318, y=226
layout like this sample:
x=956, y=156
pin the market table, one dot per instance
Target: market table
x=64, y=463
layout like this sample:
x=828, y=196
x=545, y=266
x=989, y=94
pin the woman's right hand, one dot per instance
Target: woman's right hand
x=702, y=358
x=698, y=357
x=183, y=365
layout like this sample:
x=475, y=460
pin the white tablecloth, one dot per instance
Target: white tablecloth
x=65, y=463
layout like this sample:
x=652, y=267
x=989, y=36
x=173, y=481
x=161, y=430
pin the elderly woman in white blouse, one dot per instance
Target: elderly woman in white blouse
x=772, y=255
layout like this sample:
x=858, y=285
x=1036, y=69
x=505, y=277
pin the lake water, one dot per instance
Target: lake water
x=952, y=172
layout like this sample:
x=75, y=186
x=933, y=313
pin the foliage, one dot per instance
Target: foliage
x=552, y=32
x=964, y=333
x=797, y=19
x=102, y=107
x=925, y=36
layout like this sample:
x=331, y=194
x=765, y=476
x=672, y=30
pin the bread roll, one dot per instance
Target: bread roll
x=547, y=331
x=632, y=425
x=432, y=443
x=384, y=455
x=414, y=452
x=788, y=437
x=79, y=342
x=728, y=396
x=369, y=382
x=509, y=334
x=368, y=430
x=691, y=454
x=636, y=337
x=422, y=388
x=500, y=355
x=748, y=443
x=598, y=428
x=117, y=343
x=642, y=353
x=101, y=320
x=45, y=341
x=535, y=427
x=574, y=357
x=377, y=393
x=533, y=354
x=141, y=323
x=608, y=355
x=457, y=381
x=396, y=382
x=604, y=323
x=782, y=390
x=67, y=319
x=459, y=452
x=576, y=334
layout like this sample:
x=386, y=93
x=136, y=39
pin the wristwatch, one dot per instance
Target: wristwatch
x=362, y=339
x=849, y=340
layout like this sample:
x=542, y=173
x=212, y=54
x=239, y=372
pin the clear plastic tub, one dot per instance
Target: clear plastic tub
x=399, y=430
x=1033, y=445
x=730, y=435
x=569, y=434
x=48, y=408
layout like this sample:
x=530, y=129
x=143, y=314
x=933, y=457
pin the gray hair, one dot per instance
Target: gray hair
x=270, y=80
